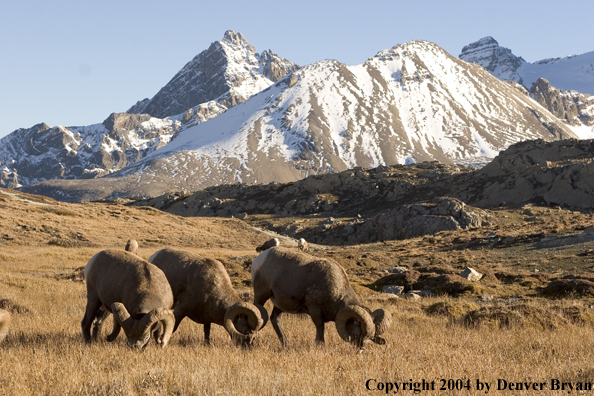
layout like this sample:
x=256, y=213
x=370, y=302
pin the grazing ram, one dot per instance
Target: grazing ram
x=299, y=283
x=135, y=291
x=268, y=244
x=203, y=292
x=4, y=324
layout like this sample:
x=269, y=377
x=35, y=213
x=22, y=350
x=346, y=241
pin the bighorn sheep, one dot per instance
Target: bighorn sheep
x=299, y=283
x=132, y=246
x=135, y=291
x=268, y=244
x=303, y=245
x=4, y=324
x=203, y=292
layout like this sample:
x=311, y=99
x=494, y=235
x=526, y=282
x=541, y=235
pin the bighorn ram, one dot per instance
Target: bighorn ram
x=299, y=283
x=135, y=291
x=4, y=324
x=303, y=245
x=132, y=246
x=203, y=292
x=268, y=244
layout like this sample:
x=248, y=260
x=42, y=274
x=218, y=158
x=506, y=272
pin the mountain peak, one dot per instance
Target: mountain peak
x=484, y=43
x=236, y=38
x=497, y=60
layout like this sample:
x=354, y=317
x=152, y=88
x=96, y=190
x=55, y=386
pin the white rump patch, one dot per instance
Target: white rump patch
x=152, y=258
x=259, y=261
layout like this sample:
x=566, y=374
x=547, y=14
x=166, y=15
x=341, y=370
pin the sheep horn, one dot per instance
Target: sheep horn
x=120, y=313
x=349, y=330
x=4, y=324
x=254, y=319
x=382, y=320
x=165, y=316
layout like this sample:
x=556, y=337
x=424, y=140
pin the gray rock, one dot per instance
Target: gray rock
x=412, y=296
x=398, y=270
x=393, y=289
x=471, y=274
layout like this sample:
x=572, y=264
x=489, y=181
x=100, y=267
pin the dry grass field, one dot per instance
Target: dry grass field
x=516, y=335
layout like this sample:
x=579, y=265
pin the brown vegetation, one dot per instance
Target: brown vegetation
x=503, y=328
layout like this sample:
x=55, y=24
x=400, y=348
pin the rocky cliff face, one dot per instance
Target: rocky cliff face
x=573, y=107
x=228, y=72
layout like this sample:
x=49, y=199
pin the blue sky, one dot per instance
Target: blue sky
x=75, y=62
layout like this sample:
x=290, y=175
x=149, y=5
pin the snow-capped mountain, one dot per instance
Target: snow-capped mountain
x=42, y=152
x=574, y=72
x=411, y=103
x=228, y=72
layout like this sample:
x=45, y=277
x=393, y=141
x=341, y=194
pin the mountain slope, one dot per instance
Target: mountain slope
x=411, y=103
x=574, y=72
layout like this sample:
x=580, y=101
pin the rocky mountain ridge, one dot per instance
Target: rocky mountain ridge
x=574, y=72
x=411, y=103
x=575, y=108
x=403, y=201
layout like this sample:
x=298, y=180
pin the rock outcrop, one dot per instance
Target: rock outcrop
x=573, y=107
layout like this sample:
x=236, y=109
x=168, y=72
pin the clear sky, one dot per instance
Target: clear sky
x=74, y=62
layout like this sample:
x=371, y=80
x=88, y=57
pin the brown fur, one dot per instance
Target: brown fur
x=118, y=276
x=299, y=283
x=201, y=286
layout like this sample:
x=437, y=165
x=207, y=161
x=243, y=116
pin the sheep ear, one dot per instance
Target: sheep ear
x=120, y=313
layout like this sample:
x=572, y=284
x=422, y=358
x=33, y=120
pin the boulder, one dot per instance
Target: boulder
x=471, y=274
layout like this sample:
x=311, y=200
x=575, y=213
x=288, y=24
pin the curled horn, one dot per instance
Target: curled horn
x=354, y=324
x=4, y=324
x=382, y=320
x=167, y=320
x=121, y=315
x=254, y=319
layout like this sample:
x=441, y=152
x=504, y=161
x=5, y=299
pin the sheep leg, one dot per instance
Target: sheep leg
x=275, y=319
x=98, y=323
x=115, y=331
x=178, y=318
x=207, y=333
x=91, y=312
x=318, y=319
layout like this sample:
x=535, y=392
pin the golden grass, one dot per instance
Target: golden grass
x=44, y=353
